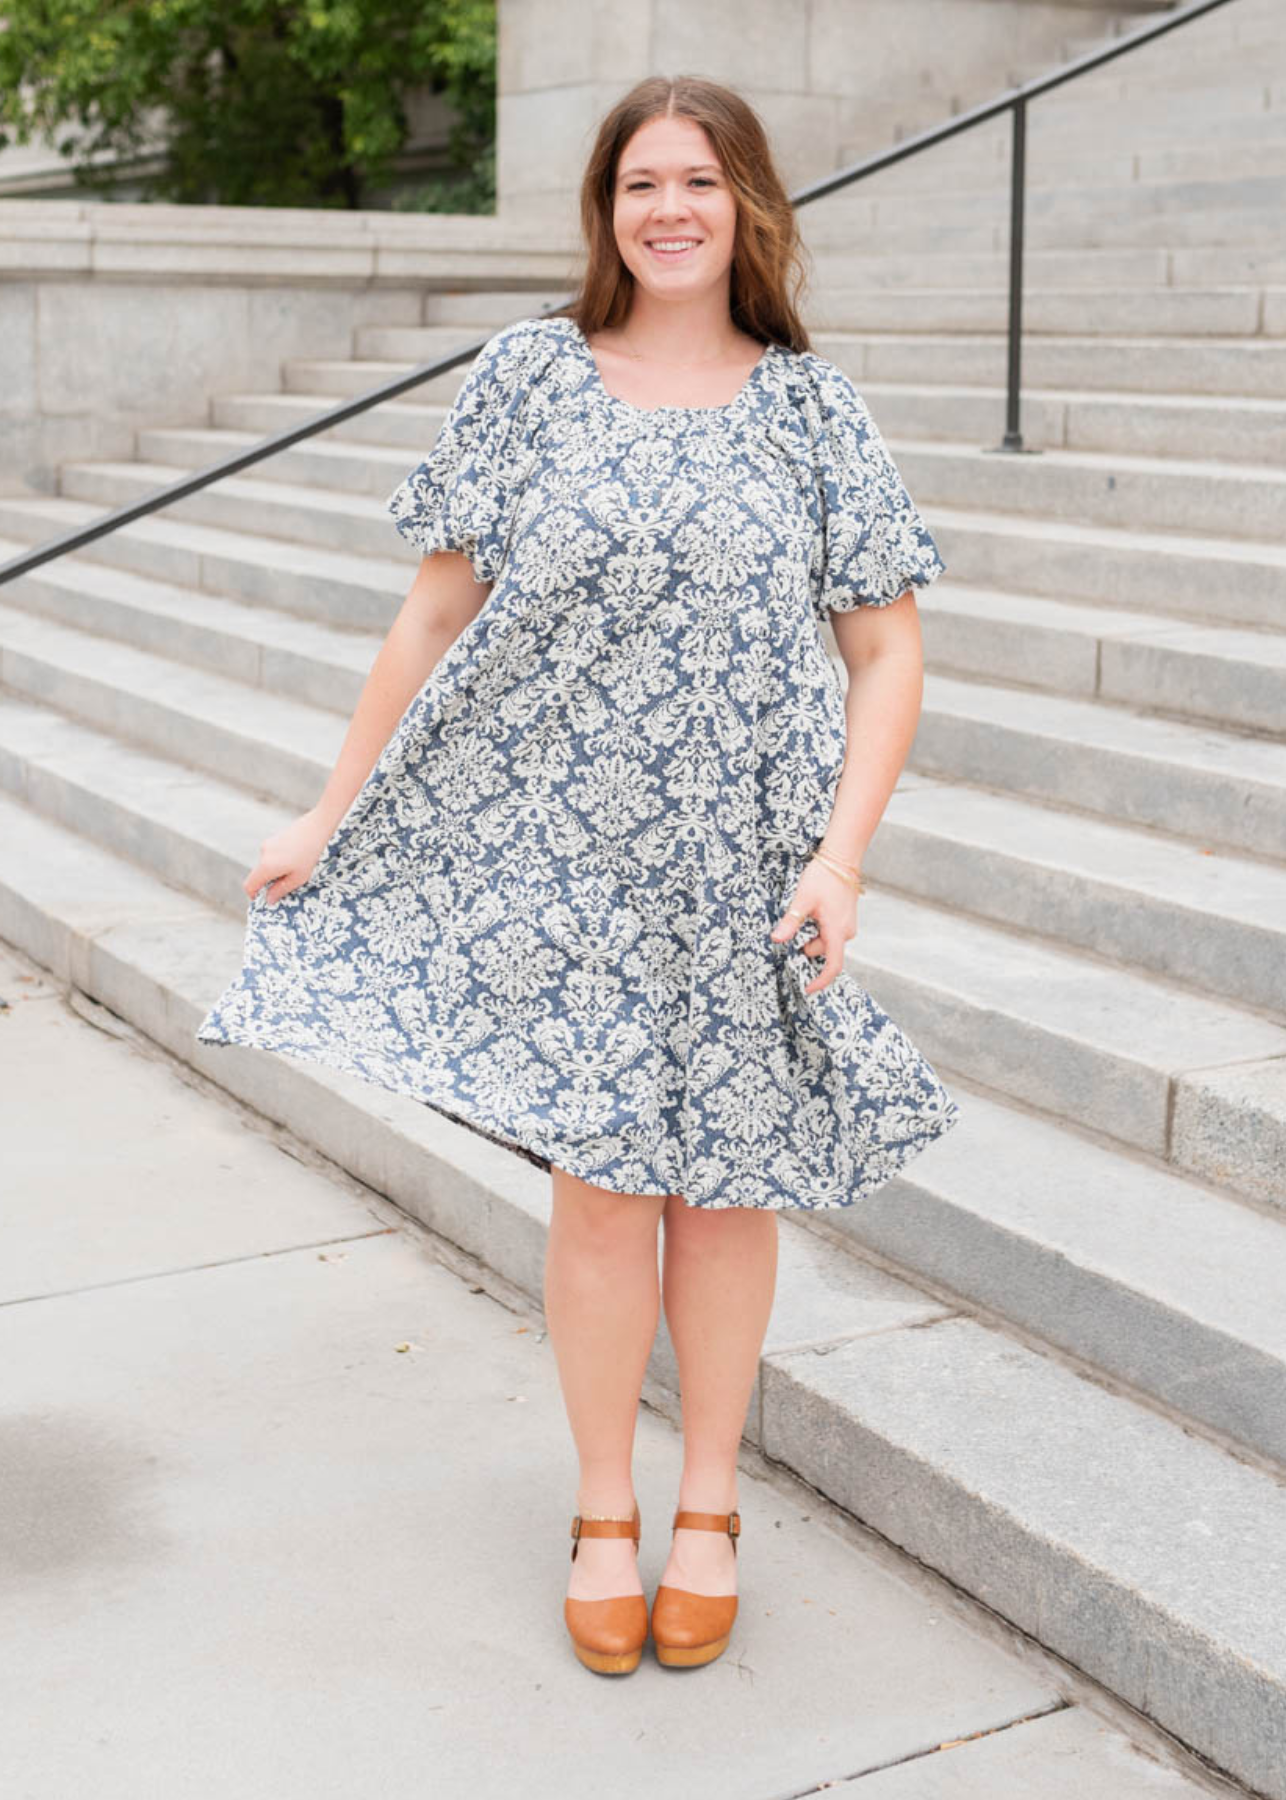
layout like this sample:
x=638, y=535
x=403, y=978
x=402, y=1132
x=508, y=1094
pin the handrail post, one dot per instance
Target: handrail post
x=1013, y=439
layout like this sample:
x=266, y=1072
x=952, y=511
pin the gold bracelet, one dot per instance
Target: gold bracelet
x=844, y=870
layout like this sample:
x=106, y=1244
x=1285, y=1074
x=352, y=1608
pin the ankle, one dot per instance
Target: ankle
x=718, y=1496
x=605, y=1506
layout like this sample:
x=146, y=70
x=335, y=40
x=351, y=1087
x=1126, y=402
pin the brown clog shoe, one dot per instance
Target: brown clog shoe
x=607, y=1635
x=687, y=1628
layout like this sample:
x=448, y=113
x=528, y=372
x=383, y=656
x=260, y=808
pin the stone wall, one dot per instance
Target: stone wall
x=832, y=79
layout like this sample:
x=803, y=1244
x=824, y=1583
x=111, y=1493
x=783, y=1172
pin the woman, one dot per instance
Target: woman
x=590, y=897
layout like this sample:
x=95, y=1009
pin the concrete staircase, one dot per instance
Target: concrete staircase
x=1051, y=1360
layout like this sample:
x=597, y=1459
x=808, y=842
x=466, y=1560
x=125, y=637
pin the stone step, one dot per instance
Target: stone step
x=1228, y=428
x=1069, y=312
x=1094, y=487
x=866, y=226
x=305, y=659
x=1217, y=788
x=1088, y=124
x=355, y=467
x=1046, y=269
x=1189, y=64
x=1214, y=34
x=1210, y=580
x=486, y=309
x=1194, y=1081
x=199, y=719
x=939, y=1475
x=314, y=581
x=1213, y=674
x=1212, y=921
x=1257, y=89
x=410, y=424
x=1073, y=202
x=1202, y=365
x=1258, y=23
x=1147, y=77
x=1080, y=1516
x=1160, y=1282
x=311, y=375
x=980, y=163
x=330, y=518
x=184, y=824
x=1087, y=266
x=1107, y=108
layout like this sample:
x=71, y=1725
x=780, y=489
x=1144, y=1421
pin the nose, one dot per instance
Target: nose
x=671, y=202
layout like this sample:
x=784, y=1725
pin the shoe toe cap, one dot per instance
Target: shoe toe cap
x=614, y=1625
x=684, y=1620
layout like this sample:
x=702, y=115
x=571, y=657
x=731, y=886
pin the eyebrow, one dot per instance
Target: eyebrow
x=691, y=169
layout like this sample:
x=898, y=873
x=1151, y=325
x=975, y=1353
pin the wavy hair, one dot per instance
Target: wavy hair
x=768, y=260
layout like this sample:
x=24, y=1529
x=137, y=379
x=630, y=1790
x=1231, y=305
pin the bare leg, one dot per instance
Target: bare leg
x=602, y=1307
x=720, y=1275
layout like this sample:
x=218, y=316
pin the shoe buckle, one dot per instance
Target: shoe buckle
x=631, y=1519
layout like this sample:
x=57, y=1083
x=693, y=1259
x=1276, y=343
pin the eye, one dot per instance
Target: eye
x=634, y=187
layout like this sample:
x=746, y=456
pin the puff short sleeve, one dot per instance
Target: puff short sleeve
x=874, y=543
x=462, y=495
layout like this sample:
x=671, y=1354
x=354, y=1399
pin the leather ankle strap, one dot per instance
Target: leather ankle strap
x=605, y=1528
x=708, y=1521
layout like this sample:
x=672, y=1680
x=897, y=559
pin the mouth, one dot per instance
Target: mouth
x=672, y=249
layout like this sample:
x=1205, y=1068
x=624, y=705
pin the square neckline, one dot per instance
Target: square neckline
x=747, y=387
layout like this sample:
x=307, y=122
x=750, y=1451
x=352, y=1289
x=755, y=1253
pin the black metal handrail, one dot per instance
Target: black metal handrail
x=1014, y=101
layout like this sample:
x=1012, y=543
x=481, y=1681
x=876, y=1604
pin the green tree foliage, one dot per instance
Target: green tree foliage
x=267, y=102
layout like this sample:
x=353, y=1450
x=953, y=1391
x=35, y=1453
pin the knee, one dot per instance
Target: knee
x=602, y=1224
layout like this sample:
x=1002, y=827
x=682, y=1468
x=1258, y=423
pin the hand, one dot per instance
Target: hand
x=287, y=859
x=832, y=902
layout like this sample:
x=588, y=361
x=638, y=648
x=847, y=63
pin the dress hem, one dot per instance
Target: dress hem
x=902, y=1151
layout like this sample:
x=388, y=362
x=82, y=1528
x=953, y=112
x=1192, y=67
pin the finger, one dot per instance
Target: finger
x=830, y=969
x=787, y=926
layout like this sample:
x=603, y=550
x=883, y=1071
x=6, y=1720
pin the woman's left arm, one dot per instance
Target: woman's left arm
x=884, y=660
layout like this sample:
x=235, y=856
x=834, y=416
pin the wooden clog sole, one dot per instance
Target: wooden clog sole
x=691, y=1655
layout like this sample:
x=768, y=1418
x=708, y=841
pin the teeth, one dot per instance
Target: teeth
x=672, y=243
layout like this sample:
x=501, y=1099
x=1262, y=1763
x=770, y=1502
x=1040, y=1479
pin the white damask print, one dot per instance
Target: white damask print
x=546, y=914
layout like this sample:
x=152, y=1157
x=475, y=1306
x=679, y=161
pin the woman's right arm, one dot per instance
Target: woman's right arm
x=443, y=599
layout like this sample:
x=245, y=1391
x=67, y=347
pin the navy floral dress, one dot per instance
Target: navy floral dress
x=546, y=914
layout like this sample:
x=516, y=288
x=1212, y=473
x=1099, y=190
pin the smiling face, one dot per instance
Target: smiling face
x=674, y=214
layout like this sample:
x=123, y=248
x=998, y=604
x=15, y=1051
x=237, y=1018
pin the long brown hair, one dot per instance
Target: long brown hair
x=767, y=263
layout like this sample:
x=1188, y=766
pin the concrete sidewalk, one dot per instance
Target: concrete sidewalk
x=285, y=1487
